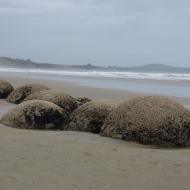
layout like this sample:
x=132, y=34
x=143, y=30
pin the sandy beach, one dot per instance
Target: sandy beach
x=46, y=160
x=77, y=90
x=94, y=95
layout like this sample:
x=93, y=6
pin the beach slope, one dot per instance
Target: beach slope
x=46, y=160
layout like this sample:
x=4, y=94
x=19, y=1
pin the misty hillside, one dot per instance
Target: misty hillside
x=160, y=68
x=22, y=63
x=7, y=62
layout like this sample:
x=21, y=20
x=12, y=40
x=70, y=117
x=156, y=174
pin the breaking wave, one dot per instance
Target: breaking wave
x=105, y=74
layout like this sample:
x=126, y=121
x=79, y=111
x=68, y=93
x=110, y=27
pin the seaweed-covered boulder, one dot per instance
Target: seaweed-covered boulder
x=20, y=93
x=89, y=117
x=63, y=100
x=36, y=114
x=82, y=100
x=5, y=89
x=149, y=120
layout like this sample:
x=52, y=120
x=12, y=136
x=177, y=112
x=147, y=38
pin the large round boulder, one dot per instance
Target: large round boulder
x=20, y=93
x=63, y=100
x=150, y=120
x=90, y=117
x=36, y=114
x=5, y=89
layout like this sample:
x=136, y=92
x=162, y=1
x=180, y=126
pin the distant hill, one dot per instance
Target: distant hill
x=158, y=68
x=7, y=62
x=22, y=63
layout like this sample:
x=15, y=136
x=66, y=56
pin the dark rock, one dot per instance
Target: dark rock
x=82, y=100
x=5, y=89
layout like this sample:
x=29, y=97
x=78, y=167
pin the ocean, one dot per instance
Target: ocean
x=106, y=74
x=171, y=84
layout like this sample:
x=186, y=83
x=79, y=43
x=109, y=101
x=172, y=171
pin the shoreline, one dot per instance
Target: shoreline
x=79, y=160
x=79, y=90
x=76, y=74
x=57, y=76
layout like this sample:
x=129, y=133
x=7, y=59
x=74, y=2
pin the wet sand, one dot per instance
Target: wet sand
x=54, y=160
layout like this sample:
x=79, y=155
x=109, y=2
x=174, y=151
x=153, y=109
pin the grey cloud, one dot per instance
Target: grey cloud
x=108, y=32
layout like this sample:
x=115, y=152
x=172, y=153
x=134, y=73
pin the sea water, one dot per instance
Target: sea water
x=172, y=84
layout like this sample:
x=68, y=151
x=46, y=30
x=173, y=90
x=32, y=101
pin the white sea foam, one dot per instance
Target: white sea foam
x=122, y=75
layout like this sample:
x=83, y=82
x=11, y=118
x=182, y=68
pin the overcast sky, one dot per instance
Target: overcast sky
x=101, y=32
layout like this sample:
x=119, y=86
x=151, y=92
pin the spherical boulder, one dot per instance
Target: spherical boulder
x=89, y=117
x=20, y=93
x=150, y=120
x=5, y=89
x=36, y=114
x=63, y=100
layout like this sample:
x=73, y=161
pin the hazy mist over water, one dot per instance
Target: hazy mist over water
x=101, y=32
